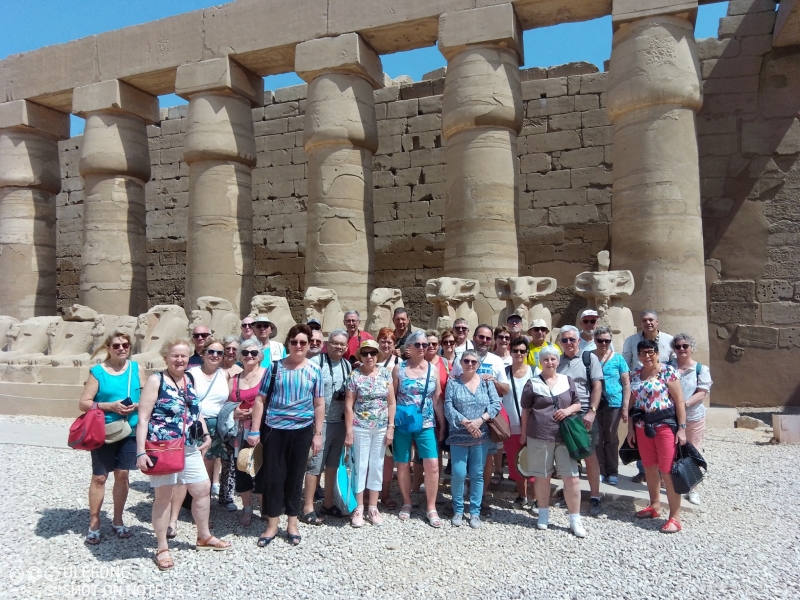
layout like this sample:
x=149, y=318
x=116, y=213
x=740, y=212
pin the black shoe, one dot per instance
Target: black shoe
x=448, y=470
x=319, y=494
x=638, y=478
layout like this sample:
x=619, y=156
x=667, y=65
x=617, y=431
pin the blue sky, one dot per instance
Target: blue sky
x=28, y=25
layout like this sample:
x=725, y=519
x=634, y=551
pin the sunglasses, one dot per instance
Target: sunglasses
x=568, y=340
x=433, y=344
x=468, y=361
x=449, y=343
x=538, y=329
x=261, y=326
x=484, y=338
x=123, y=345
x=315, y=342
x=603, y=342
x=369, y=353
x=592, y=321
x=647, y=353
x=215, y=352
x=301, y=343
x=519, y=351
x=197, y=336
x=231, y=350
x=503, y=338
x=247, y=325
x=420, y=344
x=247, y=353
x=460, y=328
x=682, y=346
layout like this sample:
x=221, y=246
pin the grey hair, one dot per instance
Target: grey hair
x=338, y=332
x=646, y=312
x=549, y=351
x=571, y=328
x=416, y=335
x=352, y=312
x=460, y=320
x=248, y=343
x=484, y=326
x=432, y=333
x=683, y=336
x=229, y=339
x=603, y=331
x=470, y=352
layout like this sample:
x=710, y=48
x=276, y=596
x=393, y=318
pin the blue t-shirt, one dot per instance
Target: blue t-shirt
x=112, y=388
x=612, y=369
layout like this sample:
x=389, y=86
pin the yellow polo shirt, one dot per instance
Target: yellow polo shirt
x=533, y=354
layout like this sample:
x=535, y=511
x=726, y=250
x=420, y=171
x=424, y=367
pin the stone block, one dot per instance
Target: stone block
x=398, y=160
x=347, y=53
x=435, y=74
x=392, y=195
x=115, y=95
x=391, y=127
x=596, y=83
x=710, y=48
x=780, y=313
x=292, y=93
x=789, y=337
x=773, y=290
x=532, y=74
x=535, y=163
x=425, y=123
x=424, y=158
x=417, y=89
x=496, y=25
x=753, y=336
x=731, y=85
x=280, y=141
x=787, y=25
x=544, y=88
x=736, y=67
x=625, y=11
x=743, y=25
x=733, y=291
x=431, y=104
x=171, y=127
x=428, y=192
x=550, y=106
x=389, y=144
x=718, y=417
x=582, y=157
x=565, y=122
x=595, y=118
x=548, y=181
x=598, y=196
x=402, y=109
x=408, y=176
x=756, y=45
x=743, y=7
x=23, y=113
x=587, y=176
x=387, y=94
x=717, y=145
x=271, y=127
x=532, y=217
x=573, y=68
x=584, y=102
x=569, y=215
x=549, y=142
x=597, y=136
x=380, y=111
x=534, y=126
x=786, y=428
x=219, y=74
x=387, y=228
x=743, y=313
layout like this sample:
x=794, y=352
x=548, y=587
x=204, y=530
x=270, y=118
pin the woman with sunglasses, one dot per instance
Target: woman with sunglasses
x=502, y=339
x=447, y=340
x=369, y=419
x=469, y=403
x=387, y=359
x=656, y=426
x=230, y=360
x=114, y=385
x=695, y=383
x=290, y=417
x=417, y=385
x=617, y=384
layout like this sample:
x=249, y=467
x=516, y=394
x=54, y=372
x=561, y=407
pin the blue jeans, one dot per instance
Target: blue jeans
x=461, y=456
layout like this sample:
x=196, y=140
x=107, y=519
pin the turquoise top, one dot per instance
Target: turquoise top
x=112, y=388
x=613, y=369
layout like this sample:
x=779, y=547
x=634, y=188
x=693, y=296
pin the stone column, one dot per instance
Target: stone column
x=656, y=231
x=115, y=166
x=220, y=149
x=481, y=117
x=30, y=178
x=341, y=135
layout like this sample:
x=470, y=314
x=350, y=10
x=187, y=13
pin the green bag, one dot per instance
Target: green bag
x=575, y=437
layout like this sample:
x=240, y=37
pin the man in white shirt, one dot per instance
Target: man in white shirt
x=461, y=329
x=265, y=331
x=588, y=325
x=649, y=324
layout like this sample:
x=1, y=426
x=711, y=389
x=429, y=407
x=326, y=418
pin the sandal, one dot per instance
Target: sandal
x=212, y=543
x=389, y=503
x=647, y=513
x=264, y=541
x=494, y=481
x=93, y=537
x=122, y=531
x=172, y=532
x=164, y=564
x=247, y=516
x=405, y=515
x=311, y=519
x=332, y=511
x=667, y=526
x=434, y=521
x=293, y=539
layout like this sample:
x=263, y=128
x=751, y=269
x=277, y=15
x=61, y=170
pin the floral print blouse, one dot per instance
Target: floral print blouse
x=166, y=420
x=652, y=394
x=371, y=406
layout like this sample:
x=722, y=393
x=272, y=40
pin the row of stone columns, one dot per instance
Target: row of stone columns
x=652, y=101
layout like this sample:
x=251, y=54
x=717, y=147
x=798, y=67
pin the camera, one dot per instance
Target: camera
x=338, y=396
x=196, y=431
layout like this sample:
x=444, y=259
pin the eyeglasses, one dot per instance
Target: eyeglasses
x=646, y=352
x=592, y=321
x=232, y=350
x=484, y=338
x=261, y=326
x=369, y=353
x=247, y=353
x=433, y=344
x=538, y=329
x=215, y=352
x=519, y=351
x=337, y=345
x=604, y=342
x=301, y=343
x=123, y=345
x=197, y=336
x=449, y=343
x=503, y=338
x=420, y=344
x=352, y=322
x=568, y=340
x=460, y=328
x=468, y=361
x=682, y=346
x=315, y=342
x=247, y=325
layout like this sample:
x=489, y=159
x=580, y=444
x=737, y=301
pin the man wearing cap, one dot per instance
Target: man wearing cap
x=265, y=331
x=588, y=324
x=314, y=324
x=352, y=320
x=538, y=332
x=514, y=324
x=199, y=335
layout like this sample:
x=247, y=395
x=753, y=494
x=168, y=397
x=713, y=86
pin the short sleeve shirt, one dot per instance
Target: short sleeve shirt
x=371, y=406
x=651, y=395
x=576, y=371
x=334, y=376
x=354, y=342
x=613, y=369
x=491, y=364
x=513, y=402
x=292, y=402
x=533, y=354
x=665, y=353
x=410, y=391
x=690, y=383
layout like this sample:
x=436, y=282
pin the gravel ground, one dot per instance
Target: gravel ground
x=743, y=543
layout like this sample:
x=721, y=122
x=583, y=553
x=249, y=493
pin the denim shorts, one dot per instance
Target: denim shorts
x=110, y=457
x=425, y=441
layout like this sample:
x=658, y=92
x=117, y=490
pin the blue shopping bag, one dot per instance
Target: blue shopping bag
x=344, y=495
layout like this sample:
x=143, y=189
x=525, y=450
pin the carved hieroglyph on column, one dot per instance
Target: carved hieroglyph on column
x=523, y=296
x=340, y=137
x=481, y=117
x=220, y=150
x=605, y=290
x=115, y=165
x=656, y=231
x=30, y=178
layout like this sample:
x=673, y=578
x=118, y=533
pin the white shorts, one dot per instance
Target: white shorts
x=194, y=470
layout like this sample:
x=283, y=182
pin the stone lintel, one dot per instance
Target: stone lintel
x=347, y=53
x=626, y=11
x=219, y=74
x=492, y=25
x=24, y=113
x=787, y=25
x=115, y=95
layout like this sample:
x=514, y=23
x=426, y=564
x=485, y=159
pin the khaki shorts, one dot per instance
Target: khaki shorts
x=542, y=456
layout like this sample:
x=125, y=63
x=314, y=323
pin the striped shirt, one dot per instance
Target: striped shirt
x=292, y=403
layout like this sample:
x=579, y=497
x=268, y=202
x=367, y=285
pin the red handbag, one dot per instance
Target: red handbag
x=167, y=456
x=88, y=432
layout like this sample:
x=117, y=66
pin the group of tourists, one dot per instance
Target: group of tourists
x=400, y=402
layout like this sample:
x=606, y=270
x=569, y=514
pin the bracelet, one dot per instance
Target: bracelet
x=318, y=433
x=251, y=434
x=138, y=456
x=206, y=434
x=391, y=426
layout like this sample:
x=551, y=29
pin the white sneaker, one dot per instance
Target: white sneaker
x=578, y=530
x=693, y=497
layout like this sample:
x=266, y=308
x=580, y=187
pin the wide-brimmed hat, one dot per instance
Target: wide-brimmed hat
x=522, y=463
x=117, y=430
x=273, y=331
x=538, y=323
x=250, y=459
x=368, y=344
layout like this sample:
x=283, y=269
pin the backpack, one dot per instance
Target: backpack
x=587, y=362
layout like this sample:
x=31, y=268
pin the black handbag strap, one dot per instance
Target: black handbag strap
x=271, y=387
x=510, y=375
x=425, y=392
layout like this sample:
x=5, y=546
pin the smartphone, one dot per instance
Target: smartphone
x=127, y=402
x=153, y=460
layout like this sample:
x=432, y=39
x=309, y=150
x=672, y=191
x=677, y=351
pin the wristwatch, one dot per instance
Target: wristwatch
x=682, y=425
x=593, y=409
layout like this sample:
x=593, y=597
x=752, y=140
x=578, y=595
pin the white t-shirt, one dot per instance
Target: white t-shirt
x=690, y=383
x=467, y=345
x=665, y=353
x=491, y=364
x=512, y=404
x=213, y=393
